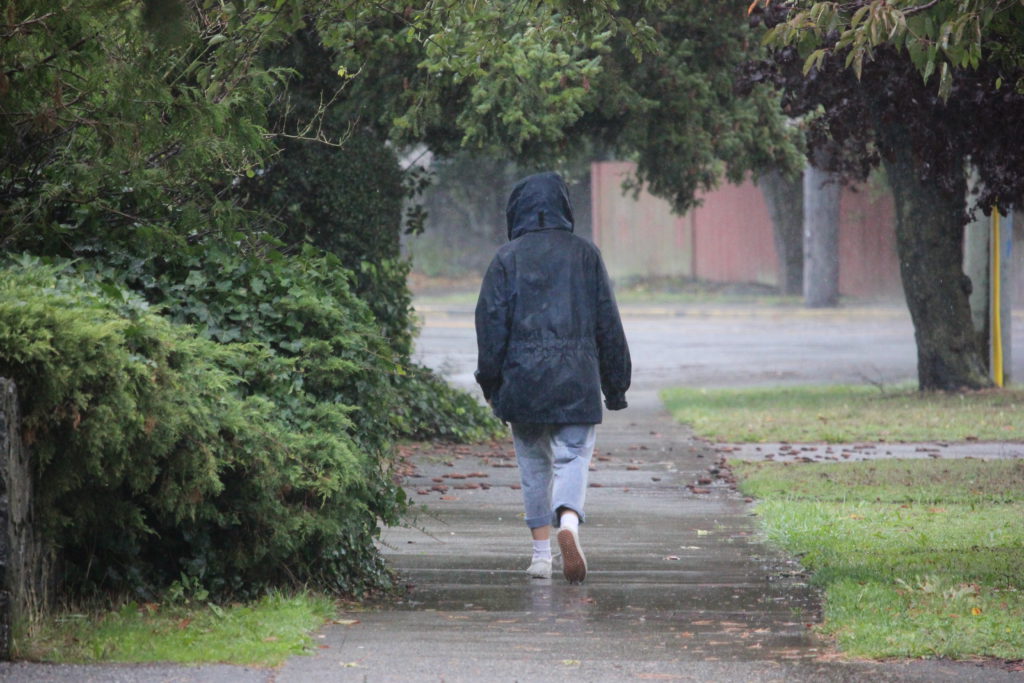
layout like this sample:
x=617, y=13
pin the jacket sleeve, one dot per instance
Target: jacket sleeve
x=492, y=327
x=612, y=350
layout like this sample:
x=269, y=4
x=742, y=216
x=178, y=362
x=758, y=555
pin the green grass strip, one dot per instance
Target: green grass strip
x=916, y=558
x=262, y=633
x=837, y=414
x=967, y=482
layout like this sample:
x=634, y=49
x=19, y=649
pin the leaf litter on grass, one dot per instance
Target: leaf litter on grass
x=848, y=413
x=897, y=481
x=917, y=558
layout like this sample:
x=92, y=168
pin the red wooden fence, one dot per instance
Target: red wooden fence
x=729, y=237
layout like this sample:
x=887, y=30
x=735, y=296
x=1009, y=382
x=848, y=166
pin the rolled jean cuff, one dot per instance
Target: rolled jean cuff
x=537, y=522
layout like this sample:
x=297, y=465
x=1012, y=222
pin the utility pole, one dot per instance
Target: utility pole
x=977, y=261
x=821, y=237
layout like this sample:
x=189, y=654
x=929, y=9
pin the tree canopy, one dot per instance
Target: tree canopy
x=938, y=36
x=654, y=82
x=968, y=59
x=679, y=111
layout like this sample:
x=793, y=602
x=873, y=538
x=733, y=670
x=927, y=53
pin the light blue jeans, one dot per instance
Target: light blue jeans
x=554, y=462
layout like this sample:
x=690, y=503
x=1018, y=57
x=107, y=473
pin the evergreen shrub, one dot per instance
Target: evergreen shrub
x=161, y=452
x=240, y=298
x=430, y=408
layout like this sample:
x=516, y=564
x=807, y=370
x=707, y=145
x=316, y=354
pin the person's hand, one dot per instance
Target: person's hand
x=616, y=402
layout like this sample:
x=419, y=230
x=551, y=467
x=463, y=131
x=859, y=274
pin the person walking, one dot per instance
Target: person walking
x=550, y=342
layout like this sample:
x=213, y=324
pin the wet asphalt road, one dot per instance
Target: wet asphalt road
x=712, y=346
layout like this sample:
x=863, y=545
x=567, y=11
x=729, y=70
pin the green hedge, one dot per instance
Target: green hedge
x=233, y=298
x=160, y=452
x=431, y=409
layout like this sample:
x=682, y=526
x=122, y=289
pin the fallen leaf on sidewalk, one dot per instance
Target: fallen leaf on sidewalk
x=345, y=622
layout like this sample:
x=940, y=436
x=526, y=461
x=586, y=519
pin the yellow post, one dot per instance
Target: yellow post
x=996, y=330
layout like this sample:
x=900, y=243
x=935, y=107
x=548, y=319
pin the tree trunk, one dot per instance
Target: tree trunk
x=26, y=566
x=10, y=444
x=821, y=238
x=785, y=199
x=930, y=240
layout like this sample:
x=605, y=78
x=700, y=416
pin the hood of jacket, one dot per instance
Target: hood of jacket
x=538, y=202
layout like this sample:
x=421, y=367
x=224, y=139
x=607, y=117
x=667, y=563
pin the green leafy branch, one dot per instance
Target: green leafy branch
x=938, y=36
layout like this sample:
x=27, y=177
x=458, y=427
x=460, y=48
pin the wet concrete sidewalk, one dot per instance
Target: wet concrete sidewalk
x=680, y=587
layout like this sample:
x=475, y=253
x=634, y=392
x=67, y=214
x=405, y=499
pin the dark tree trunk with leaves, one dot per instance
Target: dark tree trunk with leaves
x=929, y=238
x=784, y=196
x=887, y=112
x=821, y=237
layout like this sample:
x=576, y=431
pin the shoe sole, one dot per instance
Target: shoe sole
x=574, y=564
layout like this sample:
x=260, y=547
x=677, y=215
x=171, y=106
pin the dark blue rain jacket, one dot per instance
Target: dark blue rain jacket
x=548, y=332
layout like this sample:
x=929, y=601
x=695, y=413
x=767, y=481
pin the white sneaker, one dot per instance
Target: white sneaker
x=540, y=568
x=574, y=563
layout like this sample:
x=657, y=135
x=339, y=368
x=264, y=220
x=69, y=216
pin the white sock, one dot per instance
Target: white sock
x=569, y=520
x=542, y=550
